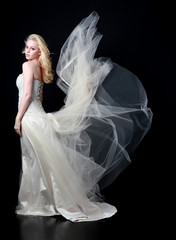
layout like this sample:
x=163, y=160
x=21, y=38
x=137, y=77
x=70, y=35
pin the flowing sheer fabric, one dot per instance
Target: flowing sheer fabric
x=67, y=156
x=108, y=101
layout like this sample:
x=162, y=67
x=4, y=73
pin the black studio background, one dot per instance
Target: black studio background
x=138, y=35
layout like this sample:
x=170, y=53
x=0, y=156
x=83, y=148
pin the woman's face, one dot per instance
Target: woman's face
x=31, y=50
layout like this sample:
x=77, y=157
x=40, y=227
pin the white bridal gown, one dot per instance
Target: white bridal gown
x=70, y=155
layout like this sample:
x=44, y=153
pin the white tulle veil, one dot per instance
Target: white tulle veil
x=105, y=115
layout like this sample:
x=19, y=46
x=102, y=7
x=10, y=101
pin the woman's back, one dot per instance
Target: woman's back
x=35, y=105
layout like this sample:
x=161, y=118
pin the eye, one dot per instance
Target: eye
x=33, y=49
x=26, y=46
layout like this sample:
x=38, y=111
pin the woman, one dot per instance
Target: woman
x=37, y=67
x=67, y=156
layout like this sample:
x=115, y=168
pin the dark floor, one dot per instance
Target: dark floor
x=52, y=228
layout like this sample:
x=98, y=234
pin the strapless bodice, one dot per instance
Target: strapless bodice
x=35, y=105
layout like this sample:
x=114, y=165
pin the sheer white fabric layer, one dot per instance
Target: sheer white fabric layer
x=67, y=156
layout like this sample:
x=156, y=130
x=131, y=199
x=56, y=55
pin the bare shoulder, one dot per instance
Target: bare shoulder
x=27, y=66
x=31, y=65
x=28, y=72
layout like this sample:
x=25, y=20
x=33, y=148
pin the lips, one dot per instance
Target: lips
x=27, y=55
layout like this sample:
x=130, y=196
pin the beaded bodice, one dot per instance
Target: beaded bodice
x=35, y=105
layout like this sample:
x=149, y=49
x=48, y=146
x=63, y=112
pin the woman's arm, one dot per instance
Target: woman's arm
x=26, y=97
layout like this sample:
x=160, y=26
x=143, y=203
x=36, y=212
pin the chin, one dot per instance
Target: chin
x=29, y=58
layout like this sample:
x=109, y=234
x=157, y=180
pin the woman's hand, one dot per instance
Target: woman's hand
x=17, y=126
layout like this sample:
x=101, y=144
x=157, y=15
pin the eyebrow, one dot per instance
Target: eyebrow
x=31, y=46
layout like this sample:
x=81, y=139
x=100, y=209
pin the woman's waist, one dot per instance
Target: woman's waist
x=35, y=107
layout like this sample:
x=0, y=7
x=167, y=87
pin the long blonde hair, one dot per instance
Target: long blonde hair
x=44, y=58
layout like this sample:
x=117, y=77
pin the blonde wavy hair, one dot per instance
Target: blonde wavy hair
x=44, y=59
